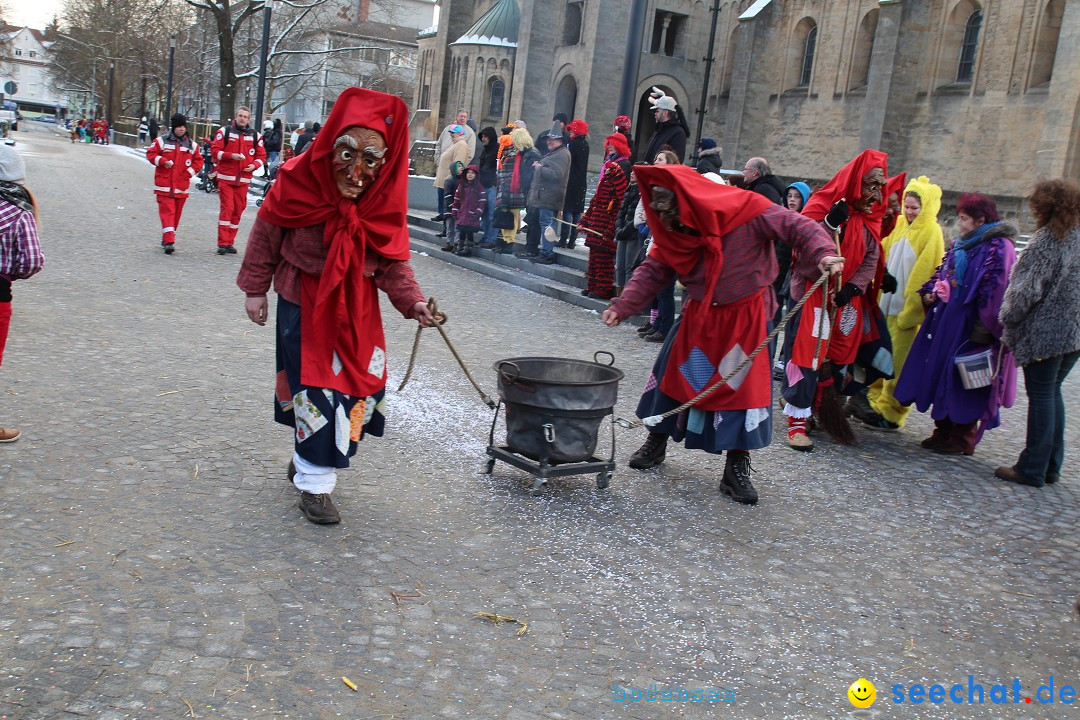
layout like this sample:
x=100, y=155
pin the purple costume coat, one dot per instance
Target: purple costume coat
x=930, y=376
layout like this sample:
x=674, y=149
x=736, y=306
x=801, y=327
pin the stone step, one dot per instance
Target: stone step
x=552, y=281
x=577, y=259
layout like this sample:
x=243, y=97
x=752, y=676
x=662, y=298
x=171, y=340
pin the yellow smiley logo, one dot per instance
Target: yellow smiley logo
x=862, y=693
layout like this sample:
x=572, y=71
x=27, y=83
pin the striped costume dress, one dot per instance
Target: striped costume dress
x=600, y=219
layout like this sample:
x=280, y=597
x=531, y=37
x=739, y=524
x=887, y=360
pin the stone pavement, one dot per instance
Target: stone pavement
x=155, y=564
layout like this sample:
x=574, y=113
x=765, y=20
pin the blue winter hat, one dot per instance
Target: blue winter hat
x=803, y=189
x=707, y=144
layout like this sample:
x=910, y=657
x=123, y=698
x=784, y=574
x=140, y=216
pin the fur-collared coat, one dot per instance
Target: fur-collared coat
x=1041, y=311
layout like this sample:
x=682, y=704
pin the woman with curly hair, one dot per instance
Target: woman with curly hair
x=963, y=298
x=1041, y=316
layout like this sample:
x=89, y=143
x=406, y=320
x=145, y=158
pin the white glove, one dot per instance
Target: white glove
x=655, y=95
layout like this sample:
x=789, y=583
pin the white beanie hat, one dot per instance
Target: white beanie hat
x=12, y=167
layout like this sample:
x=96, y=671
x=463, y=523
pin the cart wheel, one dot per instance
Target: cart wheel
x=258, y=203
x=538, y=485
x=603, y=480
x=489, y=466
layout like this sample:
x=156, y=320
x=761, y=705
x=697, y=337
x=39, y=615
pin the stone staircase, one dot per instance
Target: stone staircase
x=564, y=280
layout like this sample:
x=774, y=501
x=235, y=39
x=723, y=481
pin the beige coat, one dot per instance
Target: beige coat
x=458, y=151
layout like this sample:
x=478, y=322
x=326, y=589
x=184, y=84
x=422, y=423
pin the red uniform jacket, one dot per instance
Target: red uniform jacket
x=245, y=142
x=186, y=159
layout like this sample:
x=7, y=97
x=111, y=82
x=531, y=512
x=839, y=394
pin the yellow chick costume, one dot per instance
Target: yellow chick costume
x=912, y=253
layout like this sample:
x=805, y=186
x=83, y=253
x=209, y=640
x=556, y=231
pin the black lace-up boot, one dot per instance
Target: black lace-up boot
x=651, y=454
x=736, y=480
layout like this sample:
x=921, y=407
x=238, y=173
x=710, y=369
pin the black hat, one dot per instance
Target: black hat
x=561, y=117
x=177, y=120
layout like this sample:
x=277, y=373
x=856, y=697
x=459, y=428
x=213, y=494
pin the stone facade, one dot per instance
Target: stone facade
x=976, y=95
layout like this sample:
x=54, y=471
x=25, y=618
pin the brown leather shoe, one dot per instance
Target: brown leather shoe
x=319, y=509
x=9, y=434
x=1010, y=474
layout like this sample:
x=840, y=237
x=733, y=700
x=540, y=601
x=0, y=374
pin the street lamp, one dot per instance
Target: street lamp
x=168, y=92
x=259, y=95
x=112, y=78
x=632, y=59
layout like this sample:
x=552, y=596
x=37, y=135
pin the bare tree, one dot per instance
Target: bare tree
x=300, y=49
x=124, y=34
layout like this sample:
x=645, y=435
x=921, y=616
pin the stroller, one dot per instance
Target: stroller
x=207, y=176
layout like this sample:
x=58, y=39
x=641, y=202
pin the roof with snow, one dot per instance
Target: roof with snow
x=498, y=26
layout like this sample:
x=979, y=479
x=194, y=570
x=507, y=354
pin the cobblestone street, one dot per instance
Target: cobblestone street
x=155, y=564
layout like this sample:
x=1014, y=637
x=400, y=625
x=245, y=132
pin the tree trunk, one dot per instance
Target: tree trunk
x=226, y=62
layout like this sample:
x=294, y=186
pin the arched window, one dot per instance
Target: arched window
x=1046, y=42
x=571, y=34
x=566, y=96
x=965, y=70
x=729, y=63
x=864, y=50
x=807, y=67
x=496, y=98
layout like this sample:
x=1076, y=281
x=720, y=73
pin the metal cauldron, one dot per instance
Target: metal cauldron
x=554, y=406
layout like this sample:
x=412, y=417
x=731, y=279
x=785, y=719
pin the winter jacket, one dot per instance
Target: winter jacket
x=273, y=139
x=487, y=165
x=457, y=152
x=304, y=140
x=505, y=197
x=769, y=186
x=469, y=205
x=625, y=226
x=1041, y=310
x=471, y=141
x=670, y=133
x=577, y=183
x=548, y=189
x=186, y=158
x=709, y=161
x=245, y=142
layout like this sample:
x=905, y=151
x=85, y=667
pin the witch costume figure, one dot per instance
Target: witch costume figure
x=719, y=241
x=823, y=339
x=331, y=233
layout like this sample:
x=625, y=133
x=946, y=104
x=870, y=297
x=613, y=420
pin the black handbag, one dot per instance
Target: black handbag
x=502, y=219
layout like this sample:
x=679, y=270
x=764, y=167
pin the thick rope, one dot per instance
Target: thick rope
x=655, y=419
x=579, y=227
x=440, y=319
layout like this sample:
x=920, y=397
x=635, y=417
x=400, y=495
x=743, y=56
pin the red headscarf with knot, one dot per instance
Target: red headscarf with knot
x=712, y=209
x=339, y=309
x=845, y=185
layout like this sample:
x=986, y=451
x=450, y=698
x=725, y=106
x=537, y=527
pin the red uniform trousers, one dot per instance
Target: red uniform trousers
x=169, y=209
x=233, y=203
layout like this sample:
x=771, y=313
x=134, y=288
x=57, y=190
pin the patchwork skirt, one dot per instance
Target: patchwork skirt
x=710, y=430
x=328, y=423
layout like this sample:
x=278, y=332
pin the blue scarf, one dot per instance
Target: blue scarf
x=961, y=247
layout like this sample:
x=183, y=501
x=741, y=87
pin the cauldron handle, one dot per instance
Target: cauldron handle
x=505, y=377
x=596, y=358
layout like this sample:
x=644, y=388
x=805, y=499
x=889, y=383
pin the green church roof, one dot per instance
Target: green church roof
x=498, y=26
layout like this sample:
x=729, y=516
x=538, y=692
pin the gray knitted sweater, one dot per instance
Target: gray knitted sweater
x=1041, y=311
